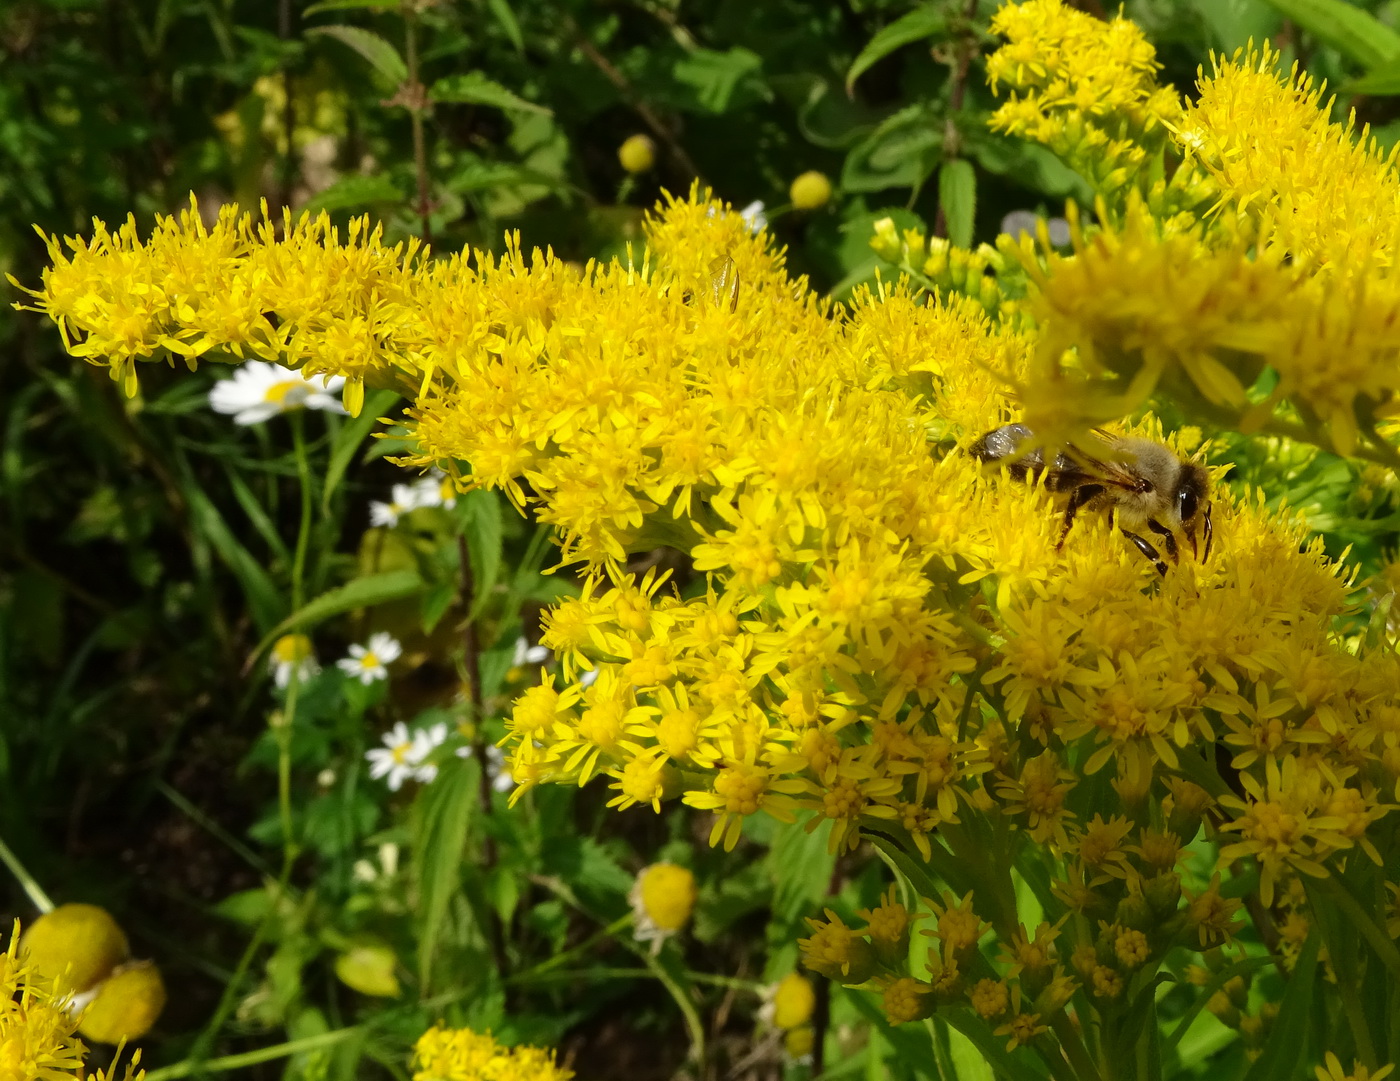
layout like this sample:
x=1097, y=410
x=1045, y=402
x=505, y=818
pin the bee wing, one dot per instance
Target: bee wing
x=1090, y=468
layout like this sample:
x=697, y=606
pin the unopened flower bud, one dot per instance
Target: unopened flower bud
x=810, y=191
x=637, y=154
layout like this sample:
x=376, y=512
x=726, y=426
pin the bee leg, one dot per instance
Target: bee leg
x=1208, y=532
x=1153, y=556
x=1077, y=498
x=1168, y=538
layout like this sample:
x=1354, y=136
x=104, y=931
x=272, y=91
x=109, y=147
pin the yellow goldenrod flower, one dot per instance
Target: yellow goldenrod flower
x=1332, y=1071
x=448, y=1054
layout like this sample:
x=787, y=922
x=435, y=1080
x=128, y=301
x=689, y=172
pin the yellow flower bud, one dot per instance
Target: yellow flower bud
x=637, y=154
x=662, y=900
x=798, y=1042
x=369, y=969
x=810, y=191
x=793, y=1001
x=76, y=946
x=126, y=1005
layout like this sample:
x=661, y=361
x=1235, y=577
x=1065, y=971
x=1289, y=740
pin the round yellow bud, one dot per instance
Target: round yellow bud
x=369, y=969
x=637, y=154
x=798, y=1042
x=76, y=946
x=810, y=191
x=794, y=999
x=126, y=1005
x=662, y=898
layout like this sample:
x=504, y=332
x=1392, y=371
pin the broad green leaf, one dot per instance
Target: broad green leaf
x=1378, y=82
x=901, y=153
x=371, y=46
x=831, y=119
x=442, y=813
x=717, y=78
x=485, y=532
x=506, y=18
x=1288, y=1035
x=474, y=88
x=347, y=441
x=957, y=195
x=355, y=193
x=1356, y=34
x=921, y=23
x=362, y=592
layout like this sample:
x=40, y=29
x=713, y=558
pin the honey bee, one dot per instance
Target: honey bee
x=1146, y=484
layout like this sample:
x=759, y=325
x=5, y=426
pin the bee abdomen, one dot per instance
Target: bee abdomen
x=1003, y=445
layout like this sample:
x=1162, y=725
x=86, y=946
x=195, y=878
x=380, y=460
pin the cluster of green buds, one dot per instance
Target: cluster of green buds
x=935, y=264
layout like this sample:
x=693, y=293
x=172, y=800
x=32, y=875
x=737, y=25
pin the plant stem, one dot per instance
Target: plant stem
x=27, y=882
x=417, y=105
x=250, y=1058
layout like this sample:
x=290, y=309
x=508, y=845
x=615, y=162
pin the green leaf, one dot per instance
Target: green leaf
x=721, y=79
x=265, y=600
x=362, y=592
x=350, y=5
x=347, y=441
x=354, y=193
x=506, y=18
x=1288, y=1035
x=1378, y=82
x=1356, y=34
x=957, y=195
x=383, y=56
x=900, y=153
x=474, y=88
x=443, y=812
x=485, y=536
x=924, y=22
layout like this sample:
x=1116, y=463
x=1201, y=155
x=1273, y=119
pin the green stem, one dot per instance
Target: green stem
x=682, y=1000
x=250, y=1058
x=561, y=959
x=304, y=531
x=32, y=889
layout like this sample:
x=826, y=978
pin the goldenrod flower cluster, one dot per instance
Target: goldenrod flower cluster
x=459, y=1054
x=37, y=1026
x=1246, y=272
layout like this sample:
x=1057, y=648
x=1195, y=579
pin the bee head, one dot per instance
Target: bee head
x=1191, y=502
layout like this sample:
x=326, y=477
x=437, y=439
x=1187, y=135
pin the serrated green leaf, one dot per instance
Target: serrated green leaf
x=957, y=195
x=718, y=77
x=474, y=88
x=355, y=193
x=1356, y=34
x=362, y=592
x=921, y=23
x=901, y=153
x=379, y=52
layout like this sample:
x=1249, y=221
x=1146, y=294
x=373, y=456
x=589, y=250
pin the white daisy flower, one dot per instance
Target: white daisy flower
x=753, y=216
x=402, y=499
x=1018, y=222
x=425, y=742
x=435, y=490
x=501, y=780
x=528, y=654
x=369, y=662
x=258, y=391
x=396, y=761
x=292, y=653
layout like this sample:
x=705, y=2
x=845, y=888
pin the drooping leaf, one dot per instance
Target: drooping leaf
x=379, y=52
x=474, y=88
x=921, y=23
x=444, y=811
x=1356, y=34
x=356, y=193
x=363, y=592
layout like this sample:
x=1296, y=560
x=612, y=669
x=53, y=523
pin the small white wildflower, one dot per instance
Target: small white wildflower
x=588, y=678
x=425, y=742
x=1018, y=222
x=753, y=216
x=402, y=499
x=368, y=663
x=259, y=390
x=435, y=490
x=528, y=654
x=292, y=653
x=397, y=760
